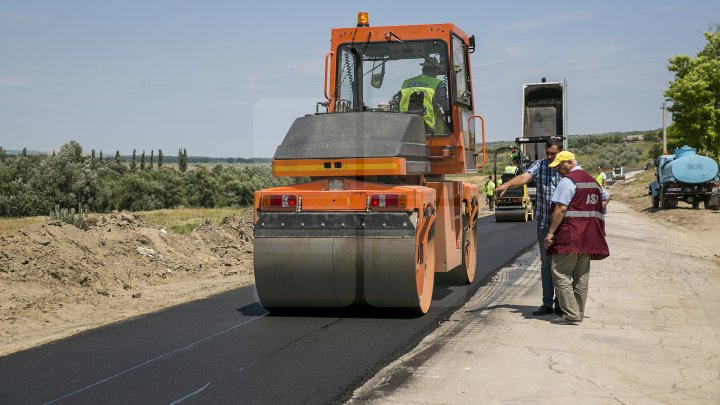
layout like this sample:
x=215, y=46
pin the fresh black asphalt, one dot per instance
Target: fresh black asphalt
x=229, y=349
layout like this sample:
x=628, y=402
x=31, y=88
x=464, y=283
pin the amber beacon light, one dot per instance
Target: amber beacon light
x=363, y=20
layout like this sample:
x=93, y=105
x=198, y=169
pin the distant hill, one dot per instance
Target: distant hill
x=582, y=138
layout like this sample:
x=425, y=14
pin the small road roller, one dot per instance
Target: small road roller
x=514, y=205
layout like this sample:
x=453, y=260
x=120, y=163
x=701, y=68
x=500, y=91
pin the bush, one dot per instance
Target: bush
x=69, y=216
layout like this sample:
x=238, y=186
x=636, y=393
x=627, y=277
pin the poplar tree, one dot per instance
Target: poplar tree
x=133, y=162
x=142, y=160
x=160, y=158
x=152, y=157
x=182, y=160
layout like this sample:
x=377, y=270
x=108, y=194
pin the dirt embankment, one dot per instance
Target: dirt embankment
x=700, y=226
x=58, y=280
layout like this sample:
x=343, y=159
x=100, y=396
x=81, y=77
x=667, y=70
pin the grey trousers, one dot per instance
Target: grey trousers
x=571, y=276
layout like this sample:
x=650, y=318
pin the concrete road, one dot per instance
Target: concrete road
x=651, y=332
x=228, y=349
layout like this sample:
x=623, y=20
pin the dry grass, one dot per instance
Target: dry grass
x=184, y=220
x=10, y=225
x=181, y=220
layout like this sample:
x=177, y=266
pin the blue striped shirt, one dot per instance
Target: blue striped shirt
x=546, y=179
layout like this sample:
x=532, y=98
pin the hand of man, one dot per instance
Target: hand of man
x=500, y=190
x=548, y=240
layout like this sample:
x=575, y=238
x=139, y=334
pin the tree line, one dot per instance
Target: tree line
x=161, y=159
x=34, y=184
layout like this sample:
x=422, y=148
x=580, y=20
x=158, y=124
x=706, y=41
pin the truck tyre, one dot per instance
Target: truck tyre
x=696, y=204
x=661, y=197
x=710, y=206
x=655, y=201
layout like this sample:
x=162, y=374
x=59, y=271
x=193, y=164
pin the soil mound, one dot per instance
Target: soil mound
x=58, y=279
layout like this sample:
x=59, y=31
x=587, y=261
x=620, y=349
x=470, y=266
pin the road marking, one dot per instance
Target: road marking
x=177, y=401
x=184, y=348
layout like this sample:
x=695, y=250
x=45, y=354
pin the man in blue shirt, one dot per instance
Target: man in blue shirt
x=546, y=179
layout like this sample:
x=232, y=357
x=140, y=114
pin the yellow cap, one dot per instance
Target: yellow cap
x=562, y=157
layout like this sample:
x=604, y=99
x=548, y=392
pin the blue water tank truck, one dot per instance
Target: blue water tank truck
x=688, y=177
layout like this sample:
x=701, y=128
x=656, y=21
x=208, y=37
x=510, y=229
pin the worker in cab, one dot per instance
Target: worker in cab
x=513, y=168
x=514, y=154
x=429, y=94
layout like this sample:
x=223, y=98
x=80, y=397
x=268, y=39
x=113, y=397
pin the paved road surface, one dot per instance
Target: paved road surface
x=228, y=349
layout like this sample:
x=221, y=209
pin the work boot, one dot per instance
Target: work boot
x=543, y=310
x=563, y=320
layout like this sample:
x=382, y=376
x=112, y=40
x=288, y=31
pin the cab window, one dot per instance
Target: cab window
x=376, y=77
x=460, y=71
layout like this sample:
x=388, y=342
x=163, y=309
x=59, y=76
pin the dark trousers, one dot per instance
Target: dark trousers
x=548, y=288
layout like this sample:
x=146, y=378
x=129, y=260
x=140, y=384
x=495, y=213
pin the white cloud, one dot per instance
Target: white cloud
x=13, y=81
x=509, y=54
x=14, y=17
x=665, y=9
x=283, y=68
x=518, y=52
x=534, y=24
x=234, y=46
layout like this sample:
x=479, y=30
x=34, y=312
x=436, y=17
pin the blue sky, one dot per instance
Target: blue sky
x=227, y=78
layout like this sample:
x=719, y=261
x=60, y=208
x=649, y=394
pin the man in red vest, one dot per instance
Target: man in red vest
x=576, y=235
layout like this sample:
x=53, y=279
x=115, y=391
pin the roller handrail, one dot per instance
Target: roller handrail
x=325, y=82
x=482, y=126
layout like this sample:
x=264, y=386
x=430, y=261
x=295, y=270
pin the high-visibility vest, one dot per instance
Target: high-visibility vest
x=511, y=170
x=599, y=178
x=427, y=86
x=490, y=188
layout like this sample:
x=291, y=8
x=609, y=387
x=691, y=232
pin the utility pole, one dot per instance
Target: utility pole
x=664, y=109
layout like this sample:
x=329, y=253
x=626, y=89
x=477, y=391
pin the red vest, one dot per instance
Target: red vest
x=583, y=228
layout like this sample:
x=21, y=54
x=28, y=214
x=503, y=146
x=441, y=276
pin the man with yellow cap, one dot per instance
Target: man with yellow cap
x=576, y=235
x=546, y=179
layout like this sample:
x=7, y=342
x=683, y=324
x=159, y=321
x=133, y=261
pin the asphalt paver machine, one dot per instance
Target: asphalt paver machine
x=544, y=116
